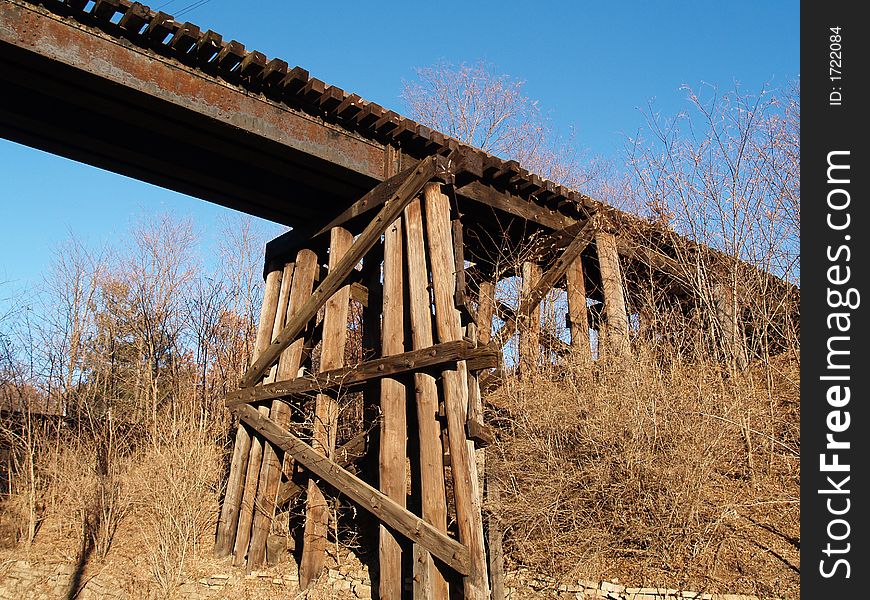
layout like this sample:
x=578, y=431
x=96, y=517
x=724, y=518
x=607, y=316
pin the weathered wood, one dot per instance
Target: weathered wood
x=530, y=327
x=345, y=456
x=246, y=511
x=422, y=584
x=454, y=554
x=485, y=310
x=287, y=369
x=495, y=531
x=616, y=343
x=532, y=296
x=578, y=315
x=459, y=264
x=393, y=438
x=325, y=424
x=350, y=379
x=374, y=199
x=455, y=387
x=434, y=499
x=229, y=516
x=258, y=452
x=477, y=431
x=514, y=205
x=360, y=293
x=725, y=300
x=424, y=171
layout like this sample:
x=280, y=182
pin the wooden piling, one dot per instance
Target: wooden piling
x=325, y=415
x=455, y=387
x=229, y=516
x=530, y=328
x=616, y=340
x=286, y=369
x=392, y=455
x=485, y=311
x=495, y=531
x=578, y=315
x=255, y=457
x=433, y=501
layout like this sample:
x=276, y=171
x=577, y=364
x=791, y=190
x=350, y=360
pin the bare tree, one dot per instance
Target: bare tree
x=488, y=110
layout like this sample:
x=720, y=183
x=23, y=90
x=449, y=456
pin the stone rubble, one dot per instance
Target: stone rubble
x=345, y=579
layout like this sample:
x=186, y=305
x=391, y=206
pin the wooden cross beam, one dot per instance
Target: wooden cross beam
x=547, y=281
x=345, y=456
x=393, y=207
x=442, y=546
x=352, y=378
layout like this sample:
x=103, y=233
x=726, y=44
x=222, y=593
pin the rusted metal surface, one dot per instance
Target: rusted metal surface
x=145, y=100
x=335, y=139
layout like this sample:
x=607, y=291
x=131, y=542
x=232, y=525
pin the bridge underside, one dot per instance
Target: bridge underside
x=165, y=103
x=77, y=92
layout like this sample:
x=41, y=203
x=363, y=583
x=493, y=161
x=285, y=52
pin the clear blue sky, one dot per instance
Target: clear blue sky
x=590, y=64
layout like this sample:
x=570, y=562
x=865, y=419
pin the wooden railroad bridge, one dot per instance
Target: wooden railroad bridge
x=409, y=223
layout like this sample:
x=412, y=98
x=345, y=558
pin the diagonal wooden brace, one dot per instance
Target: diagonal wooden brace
x=546, y=282
x=336, y=278
x=442, y=546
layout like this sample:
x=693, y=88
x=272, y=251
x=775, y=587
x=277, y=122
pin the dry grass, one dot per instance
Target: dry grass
x=149, y=498
x=659, y=473
x=672, y=473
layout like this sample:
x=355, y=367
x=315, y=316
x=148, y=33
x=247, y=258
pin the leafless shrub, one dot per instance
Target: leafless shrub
x=176, y=482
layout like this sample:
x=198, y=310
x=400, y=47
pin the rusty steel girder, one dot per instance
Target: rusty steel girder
x=85, y=94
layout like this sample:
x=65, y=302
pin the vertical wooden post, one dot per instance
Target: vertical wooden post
x=616, y=343
x=238, y=466
x=287, y=368
x=391, y=458
x=455, y=386
x=246, y=513
x=495, y=533
x=485, y=311
x=530, y=331
x=733, y=343
x=325, y=416
x=578, y=317
x=434, y=500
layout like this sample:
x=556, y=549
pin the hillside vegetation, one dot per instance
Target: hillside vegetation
x=677, y=466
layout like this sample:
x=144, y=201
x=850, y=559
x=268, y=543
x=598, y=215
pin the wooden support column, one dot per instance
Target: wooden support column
x=287, y=368
x=455, y=386
x=255, y=457
x=733, y=342
x=530, y=329
x=229, y=516
x=495, y=531
x=325, y=415
x=338, y=274
x=485, y=311
x=391, y=458
x=578, y=316
x=616, y=343
x=428, y=580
